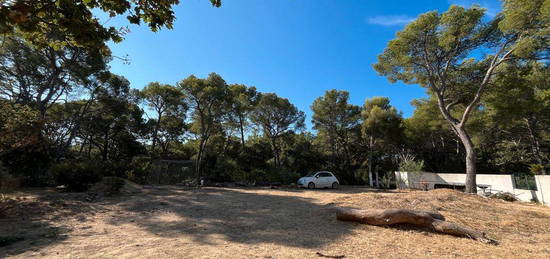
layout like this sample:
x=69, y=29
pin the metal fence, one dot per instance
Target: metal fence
x=525, y=181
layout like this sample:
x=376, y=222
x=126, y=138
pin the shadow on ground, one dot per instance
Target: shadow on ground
x=235, y=215
x=284, y=216
x=36, y=219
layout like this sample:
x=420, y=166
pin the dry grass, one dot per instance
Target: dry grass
x=172, y=222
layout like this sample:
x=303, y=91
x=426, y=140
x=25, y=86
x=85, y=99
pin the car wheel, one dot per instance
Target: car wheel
x=311, y=186
x=335, y=185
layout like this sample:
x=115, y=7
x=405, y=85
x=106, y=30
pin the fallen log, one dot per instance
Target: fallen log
x=431, y=220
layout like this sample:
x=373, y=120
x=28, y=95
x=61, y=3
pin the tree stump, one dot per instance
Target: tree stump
x=431, y=220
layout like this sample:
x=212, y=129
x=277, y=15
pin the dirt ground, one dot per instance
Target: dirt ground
x=173, y=222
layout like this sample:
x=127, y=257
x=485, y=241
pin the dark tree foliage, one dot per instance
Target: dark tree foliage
x=65, y=119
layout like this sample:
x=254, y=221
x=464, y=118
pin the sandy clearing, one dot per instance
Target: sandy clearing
x=172, y=222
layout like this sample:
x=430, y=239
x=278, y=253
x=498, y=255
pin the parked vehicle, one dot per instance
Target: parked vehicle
x=321, y=179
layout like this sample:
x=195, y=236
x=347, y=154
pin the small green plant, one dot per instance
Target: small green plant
x=408, y=163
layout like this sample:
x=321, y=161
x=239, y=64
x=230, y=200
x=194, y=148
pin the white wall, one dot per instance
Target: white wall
x=543, y=188
x=525, y=195
x=498, y=183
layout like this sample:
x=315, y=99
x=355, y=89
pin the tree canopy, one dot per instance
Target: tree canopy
x=58, y=23
x=438, y=51
x=61, y=108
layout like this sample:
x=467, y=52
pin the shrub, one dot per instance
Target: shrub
x=8, y=182
x=227, y=169
x=35, y=173
x=504, y=196
x=76, y=175
x=411, y=165
x=139, y=169
x=273, y=175
x=536, y=168
x=290, y=177
x=257, y=175
x=242, y=176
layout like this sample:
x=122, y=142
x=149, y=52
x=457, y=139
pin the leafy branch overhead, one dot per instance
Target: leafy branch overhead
x=73, y=22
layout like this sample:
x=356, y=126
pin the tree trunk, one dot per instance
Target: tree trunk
x=90, y=143
x=105, y=150
x=370, y=163
x=535, y=144
x=76, y=127
x=198, y=167
x=155, y=134
x=276, y=154
x=471, y=185
x=204, y=134
x=431, y=220
x=376, y=176
x=241, y=125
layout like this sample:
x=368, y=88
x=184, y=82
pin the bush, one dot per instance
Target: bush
x=289, y=177
x=242, y=176
x=76, y=175
x=8, y=182
x=411, y=166
x=536, y=168
x=408, y=163
x=504, y=196
x=257, y=175
x=35, y=173
x=139, y=169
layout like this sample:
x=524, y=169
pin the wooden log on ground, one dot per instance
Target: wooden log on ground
x=431, y=220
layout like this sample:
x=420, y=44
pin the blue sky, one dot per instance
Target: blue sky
x=295, y=48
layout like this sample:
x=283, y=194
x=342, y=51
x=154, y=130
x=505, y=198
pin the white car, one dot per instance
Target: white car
x=321, y=179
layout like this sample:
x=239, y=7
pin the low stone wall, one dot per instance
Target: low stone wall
x=497, y=182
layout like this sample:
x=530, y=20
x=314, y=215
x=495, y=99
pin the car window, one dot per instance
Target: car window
x=311, y=174
x=325, y=175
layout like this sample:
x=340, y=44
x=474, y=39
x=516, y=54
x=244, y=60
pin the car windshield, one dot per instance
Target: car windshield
x=311, y=174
